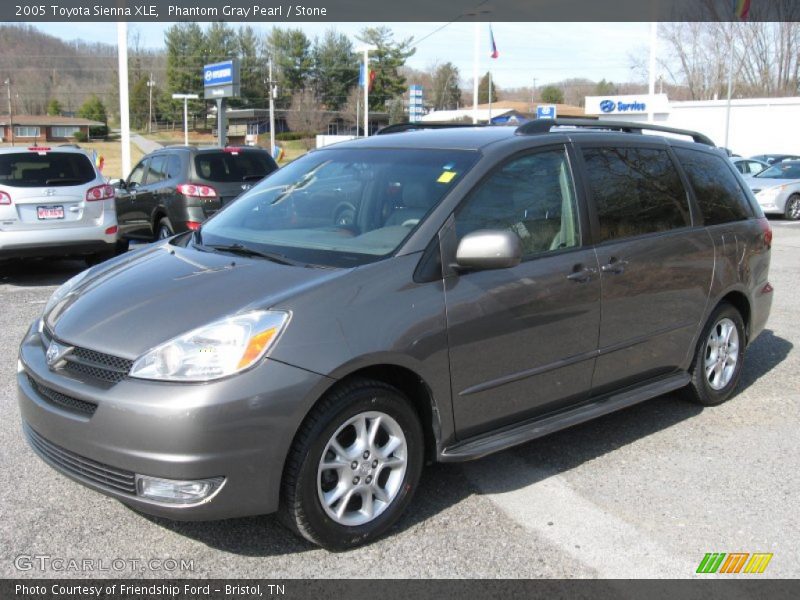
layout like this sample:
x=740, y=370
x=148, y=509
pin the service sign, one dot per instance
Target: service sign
x=627, y=105
x=221, y=80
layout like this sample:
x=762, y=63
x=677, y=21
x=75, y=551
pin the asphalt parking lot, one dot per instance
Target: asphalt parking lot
x=645, y=492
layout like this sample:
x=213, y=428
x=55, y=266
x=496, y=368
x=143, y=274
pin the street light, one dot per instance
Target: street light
x=365, y=49
x=185, y=98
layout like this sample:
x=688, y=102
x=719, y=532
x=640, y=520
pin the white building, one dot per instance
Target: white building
x=757, y=125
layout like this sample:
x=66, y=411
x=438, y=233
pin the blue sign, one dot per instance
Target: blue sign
x=222, y=73
x=546, y=111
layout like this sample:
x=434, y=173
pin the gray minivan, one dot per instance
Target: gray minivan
x=492, y=285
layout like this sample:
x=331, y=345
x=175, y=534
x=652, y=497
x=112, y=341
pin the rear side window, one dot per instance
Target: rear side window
x=719, y=196
x=636, y=191
x=157, y=170
x=228, y=166
x=28, y=169
x=173, y=166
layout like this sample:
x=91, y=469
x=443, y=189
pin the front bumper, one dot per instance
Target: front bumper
x=238, y=428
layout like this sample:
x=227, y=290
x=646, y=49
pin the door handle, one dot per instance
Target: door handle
x=615, y=266
x=581, y=274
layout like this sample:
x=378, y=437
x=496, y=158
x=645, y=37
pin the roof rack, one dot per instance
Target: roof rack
x=400, y=127
x=545, y=125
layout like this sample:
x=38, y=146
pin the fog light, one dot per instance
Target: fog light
x=177, y=491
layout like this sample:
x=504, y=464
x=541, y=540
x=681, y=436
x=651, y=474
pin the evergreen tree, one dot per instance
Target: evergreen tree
x=552, y=95
x=335, y=69
x=291, y=56
x=93, y=109
x=385, y=62
x=54, y=108
x=446, y=93
x=483, y=90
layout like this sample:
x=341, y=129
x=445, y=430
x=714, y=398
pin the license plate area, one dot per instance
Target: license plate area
x=46, y=213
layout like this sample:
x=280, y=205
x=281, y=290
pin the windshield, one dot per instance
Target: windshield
x=781, y=171
x=340, y=207
x=31, y=169
x=230, y=166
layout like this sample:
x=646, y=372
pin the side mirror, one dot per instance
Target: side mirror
x=117, y=183
x=489, y=249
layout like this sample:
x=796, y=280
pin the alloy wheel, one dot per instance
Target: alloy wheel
x=362, y=468
x=722, y=354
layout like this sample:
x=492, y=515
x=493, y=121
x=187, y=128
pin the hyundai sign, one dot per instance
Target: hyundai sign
x=627, y=105
x=546, y=111
x=221, y=80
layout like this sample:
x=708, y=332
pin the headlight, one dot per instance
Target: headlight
x=213, y=351
x=64, y=290
x=771, y=193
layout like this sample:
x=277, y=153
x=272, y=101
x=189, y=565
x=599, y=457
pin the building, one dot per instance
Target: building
x=505, y=112
x=757, y=125
x=45, y=128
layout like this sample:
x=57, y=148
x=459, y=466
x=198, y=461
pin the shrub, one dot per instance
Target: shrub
x=80, y=136
x=100, y=131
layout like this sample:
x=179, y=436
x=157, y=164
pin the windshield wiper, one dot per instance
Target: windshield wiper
x=245, y=251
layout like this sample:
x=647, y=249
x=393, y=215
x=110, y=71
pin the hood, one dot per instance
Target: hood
x=140, y=300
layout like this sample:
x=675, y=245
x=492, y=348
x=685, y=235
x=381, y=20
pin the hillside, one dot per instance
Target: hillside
x=43, y=67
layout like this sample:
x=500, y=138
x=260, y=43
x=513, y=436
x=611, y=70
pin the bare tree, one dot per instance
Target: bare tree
x=306, y=116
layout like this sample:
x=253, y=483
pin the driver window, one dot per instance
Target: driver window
x=532, y=195
x=137, y=175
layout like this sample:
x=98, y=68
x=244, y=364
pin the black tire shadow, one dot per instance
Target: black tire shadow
x=444, y=485
x=39, y=272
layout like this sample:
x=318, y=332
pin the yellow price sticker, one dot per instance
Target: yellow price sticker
x=446, y=177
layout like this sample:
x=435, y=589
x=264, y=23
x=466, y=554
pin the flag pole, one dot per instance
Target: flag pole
x=475, y=59
x=490, y=98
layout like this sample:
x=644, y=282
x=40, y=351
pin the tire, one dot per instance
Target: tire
x=98, y=257
x=713, y=377
x=123, y=245
x=307, y=484
x=164, y=229
x=792, y=210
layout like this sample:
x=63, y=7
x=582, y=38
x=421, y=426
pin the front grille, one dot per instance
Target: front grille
x=62, y=400
x=105, y=367
x=82, y=361
x=81, y=467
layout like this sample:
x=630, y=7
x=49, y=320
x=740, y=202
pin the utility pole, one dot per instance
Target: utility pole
x=489, y=122
x=272, y=91
x=366, y=48
x=533, y=95
x=150, y=84
x=10, y=111
x=124, y=100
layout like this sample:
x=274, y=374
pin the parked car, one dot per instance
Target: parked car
x=494, y=286
x=54, y=202
x=777, y=189
x=773, y=158
x=175, y=189
x=748, y=166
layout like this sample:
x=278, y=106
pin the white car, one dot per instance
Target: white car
x=54, y=202
x=777, y=189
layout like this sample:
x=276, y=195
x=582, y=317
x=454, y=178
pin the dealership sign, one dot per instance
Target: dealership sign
x=221, y=80
x=627, y=105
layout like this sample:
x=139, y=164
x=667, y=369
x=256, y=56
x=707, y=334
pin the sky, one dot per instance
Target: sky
x=548, y=52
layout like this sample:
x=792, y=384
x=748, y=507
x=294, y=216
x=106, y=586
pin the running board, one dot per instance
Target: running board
x=487, y=444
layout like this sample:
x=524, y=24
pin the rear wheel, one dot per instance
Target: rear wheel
x=164, y=229
x=792, y=210
x=353, y=467
x=718, y=362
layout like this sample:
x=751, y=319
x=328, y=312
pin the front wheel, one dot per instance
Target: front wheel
x=164, y=229
x=353, y=467
x=792, y=210
x=718, y=362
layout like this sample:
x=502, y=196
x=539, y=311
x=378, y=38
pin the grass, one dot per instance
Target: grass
x=110, y=151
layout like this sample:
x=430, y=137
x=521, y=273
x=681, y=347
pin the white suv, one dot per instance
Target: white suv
x=54, y=202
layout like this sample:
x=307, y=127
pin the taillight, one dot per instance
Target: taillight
x=766, y=231
x=40, y=150
x=100, y=192
x=232, y=150
x=193, y=225
x=5, y=198
x=112, y=230
x=197, y=191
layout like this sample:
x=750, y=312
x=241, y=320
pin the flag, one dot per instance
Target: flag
x=495, y=53
x=741, y=8
x=368, y=80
